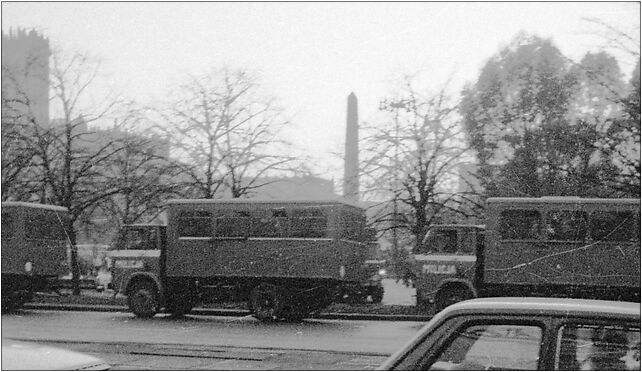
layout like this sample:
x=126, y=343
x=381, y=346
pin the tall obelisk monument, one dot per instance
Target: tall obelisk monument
x=351, y=165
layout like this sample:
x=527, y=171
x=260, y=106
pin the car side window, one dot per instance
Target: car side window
x=598, y=348
x=491, y=346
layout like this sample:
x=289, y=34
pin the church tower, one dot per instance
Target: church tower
x=25, y=74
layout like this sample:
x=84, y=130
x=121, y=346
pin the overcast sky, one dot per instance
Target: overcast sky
x=311, y=55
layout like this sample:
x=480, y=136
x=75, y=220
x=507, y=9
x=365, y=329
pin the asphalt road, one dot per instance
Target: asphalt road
x=206, y=342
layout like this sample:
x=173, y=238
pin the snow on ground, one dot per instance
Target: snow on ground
x=396, y=293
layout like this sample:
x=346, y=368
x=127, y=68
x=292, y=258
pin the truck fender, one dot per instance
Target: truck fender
x=460, y=282
x=145, y=275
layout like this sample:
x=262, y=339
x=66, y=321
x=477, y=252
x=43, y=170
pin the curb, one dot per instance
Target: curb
x=226, y=312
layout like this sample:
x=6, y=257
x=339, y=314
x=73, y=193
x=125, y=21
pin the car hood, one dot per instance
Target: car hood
x=17, y=355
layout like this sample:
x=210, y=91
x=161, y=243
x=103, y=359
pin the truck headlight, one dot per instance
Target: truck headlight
x=28, y=267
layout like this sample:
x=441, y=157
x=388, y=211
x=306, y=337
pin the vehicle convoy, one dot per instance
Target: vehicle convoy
x=549, y=246
x=285, y=258
x=526, y=333
x=34, y=250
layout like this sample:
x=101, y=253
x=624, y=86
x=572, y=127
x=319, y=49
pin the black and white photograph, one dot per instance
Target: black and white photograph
x=321, y=186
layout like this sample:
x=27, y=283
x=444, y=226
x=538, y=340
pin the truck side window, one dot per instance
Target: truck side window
x=350, y=226
x=44, y=225
x=195, y=224
x=136, y=240
x=308, y=223
x=519, y=224
x=614, y=226
x=271, y=224
x=566, y=225
x=233, y=225
x=441, y=241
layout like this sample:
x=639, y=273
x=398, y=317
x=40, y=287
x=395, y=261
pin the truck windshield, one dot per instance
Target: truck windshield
x=443, y=241
x=137, y=239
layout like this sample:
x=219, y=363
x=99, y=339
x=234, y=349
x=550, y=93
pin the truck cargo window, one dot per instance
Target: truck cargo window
x=235, y=225
x=44, y=226
x=195, y=224
x=519, y=224
x=614, y=226
x=272, y=224
x=566, y=225
x=308, y=223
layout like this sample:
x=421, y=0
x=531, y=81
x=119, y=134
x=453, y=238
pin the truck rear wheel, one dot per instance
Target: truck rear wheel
x=267, y=302
x=449, y=296
x=143, y=299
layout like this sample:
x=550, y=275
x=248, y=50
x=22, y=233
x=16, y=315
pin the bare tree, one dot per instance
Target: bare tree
x=411, y=161
x=18, y=120
x=226, y=134
x=70, y=155
x=617, y=38
x=142, y=170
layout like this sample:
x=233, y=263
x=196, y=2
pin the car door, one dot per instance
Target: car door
x=489, y=342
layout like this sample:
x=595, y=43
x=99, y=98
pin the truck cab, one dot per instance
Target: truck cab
x=444, y=265
x=136, y=254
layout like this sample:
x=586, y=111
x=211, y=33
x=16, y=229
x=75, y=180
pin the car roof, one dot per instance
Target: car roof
x=547, y=305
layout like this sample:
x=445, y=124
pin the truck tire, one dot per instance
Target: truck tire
x=143, y=299
x=449, y=296
x=267, y=302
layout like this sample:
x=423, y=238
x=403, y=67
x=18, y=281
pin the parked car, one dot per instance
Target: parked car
x=25, y=356
x=526, y=334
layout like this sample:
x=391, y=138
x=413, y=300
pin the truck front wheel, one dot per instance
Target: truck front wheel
x=143, y=299
x=267, y=302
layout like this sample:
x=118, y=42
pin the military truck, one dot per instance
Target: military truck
x=34, y=245
x=549, y=246
x=285, y=258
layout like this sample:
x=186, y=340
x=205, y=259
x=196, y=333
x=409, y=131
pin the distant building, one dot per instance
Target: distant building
x=93, y=138
x=25, y=74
